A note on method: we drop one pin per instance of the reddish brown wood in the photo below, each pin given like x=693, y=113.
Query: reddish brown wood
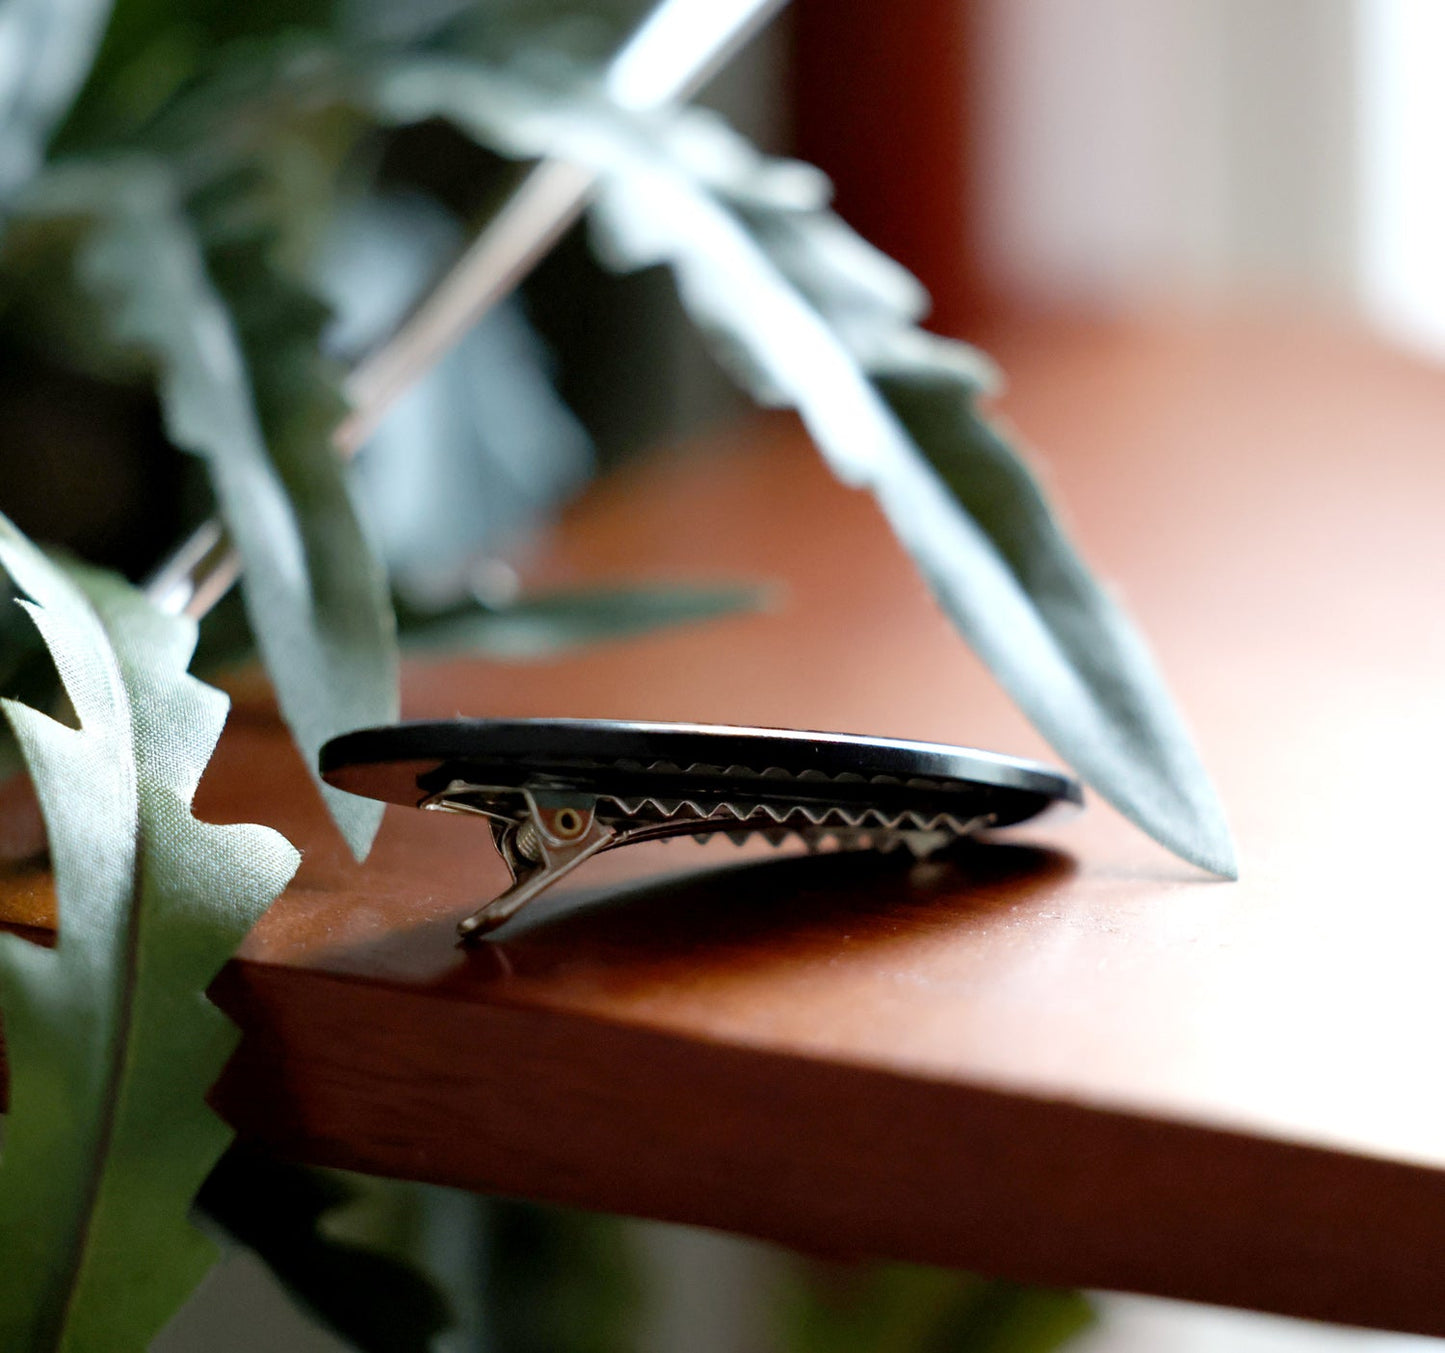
x=882, y=103
x=1071, y=1059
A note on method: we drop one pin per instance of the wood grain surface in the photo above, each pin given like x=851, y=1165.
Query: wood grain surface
x=1064, y=1057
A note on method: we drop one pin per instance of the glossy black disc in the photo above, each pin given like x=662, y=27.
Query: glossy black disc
x=407, y=763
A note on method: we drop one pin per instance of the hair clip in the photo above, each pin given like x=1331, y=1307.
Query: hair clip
x=558, y=791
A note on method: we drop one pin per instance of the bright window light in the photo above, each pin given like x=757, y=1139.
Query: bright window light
x=1402, y=48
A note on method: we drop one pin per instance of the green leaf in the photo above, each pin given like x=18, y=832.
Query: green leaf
x=906, y=1308
x=545, y=624
x=155, y=51
x=376, y=1302
x=559, y=1281
x=808, y=316
x=46, y=47
x=109, y=1036
x=315, y=592
x=532, y=628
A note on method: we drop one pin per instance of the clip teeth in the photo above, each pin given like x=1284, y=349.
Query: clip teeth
x=796, y=817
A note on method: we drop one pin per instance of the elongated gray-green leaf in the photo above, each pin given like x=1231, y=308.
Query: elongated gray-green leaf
x=809, y=317
x=46, y=47
x=110, y=1040
x=315, y=592
x=552, y=622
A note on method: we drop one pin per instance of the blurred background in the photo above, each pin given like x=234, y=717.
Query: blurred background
x=1102, y=158
x=1113, y=155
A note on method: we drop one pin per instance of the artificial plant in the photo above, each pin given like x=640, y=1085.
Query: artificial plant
x=178, y=182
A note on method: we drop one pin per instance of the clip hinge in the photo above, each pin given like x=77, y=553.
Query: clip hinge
x=545, y=839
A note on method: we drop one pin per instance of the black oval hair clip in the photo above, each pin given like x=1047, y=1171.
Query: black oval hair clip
x=558, y=791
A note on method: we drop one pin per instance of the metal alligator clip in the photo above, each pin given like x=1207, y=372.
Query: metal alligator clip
x=558, y=791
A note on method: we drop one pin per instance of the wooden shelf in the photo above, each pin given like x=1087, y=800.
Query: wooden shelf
x=1068, y=1058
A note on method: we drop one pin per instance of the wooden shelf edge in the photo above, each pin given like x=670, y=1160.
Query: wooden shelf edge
x=332, y=1071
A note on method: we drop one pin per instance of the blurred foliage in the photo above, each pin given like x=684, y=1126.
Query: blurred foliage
x=558, y=1281
x=286, y=1215
x=903, y=1308
x=544, y=624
